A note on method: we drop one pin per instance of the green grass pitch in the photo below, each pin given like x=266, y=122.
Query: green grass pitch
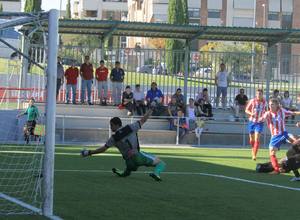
x=85, y=188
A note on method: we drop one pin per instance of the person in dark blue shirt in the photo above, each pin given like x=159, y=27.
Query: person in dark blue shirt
x=117, y=77
x=155, y=95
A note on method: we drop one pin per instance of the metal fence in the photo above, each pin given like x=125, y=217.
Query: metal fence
x=143, y=66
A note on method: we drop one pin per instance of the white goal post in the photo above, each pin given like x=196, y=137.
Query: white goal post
x=8, y=163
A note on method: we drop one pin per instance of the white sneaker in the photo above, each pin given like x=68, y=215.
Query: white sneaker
x=294, y=179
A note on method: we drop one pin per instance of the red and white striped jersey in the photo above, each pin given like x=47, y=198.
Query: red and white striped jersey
x=276, y=121
x=257, y=108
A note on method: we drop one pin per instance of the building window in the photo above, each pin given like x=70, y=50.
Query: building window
x=91, y=13
x=214, y=13
x=244, y=4
x=287, y=20
x=242, y=22
x=110, y=15
x=194, y=12
x=273, y=16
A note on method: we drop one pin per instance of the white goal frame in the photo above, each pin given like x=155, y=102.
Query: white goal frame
x=48, y=163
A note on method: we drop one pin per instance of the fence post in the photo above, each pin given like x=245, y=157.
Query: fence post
x=186, y=69
x=109, y=130
x=63, y=129
x=244, y=133
x=177, y=132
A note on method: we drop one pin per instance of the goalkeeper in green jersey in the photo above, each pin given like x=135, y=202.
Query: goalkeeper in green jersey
x=32, y=115
x=126, y=140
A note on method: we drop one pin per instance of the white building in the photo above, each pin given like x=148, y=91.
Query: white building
x=11, y=5
x=100, y=9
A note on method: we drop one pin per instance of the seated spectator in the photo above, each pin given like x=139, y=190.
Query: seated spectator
x=203, y=101
x=154, y=94
x=240, y=103
x=127, y=100
x=139, y=100
x=276, y=95
x=172, y=111
x=179, y=97
x=181, y=123
x=287, y=103
x=191, y=114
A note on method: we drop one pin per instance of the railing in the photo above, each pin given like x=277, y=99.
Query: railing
x=63, y=118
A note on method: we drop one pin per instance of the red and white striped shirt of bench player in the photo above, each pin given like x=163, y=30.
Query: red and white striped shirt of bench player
x=257, y=108
x=276, y=121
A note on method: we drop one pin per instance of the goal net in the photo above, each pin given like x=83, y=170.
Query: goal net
x=20, y=165
x=26, y=153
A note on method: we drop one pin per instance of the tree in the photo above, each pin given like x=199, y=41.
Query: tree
x=68, y=10
x=1, y=7
x=33, y=6
x=157, y=43
x=177, y=14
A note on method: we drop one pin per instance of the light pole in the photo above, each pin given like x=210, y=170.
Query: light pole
x=264, y=15
x=60, y=3
x=253, y=44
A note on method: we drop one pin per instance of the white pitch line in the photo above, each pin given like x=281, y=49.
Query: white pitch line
x=27, y=206
x=199, y=174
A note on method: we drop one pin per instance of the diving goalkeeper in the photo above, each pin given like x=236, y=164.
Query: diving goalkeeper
x=126, y=140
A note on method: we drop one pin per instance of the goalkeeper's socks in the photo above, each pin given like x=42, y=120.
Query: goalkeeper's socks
x=159, y=168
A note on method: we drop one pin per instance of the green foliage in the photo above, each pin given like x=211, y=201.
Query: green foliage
x=33, y=6
x=236, y=55
x=1, y=7
x=177, y=14
x=68, y=10
x=86, y=45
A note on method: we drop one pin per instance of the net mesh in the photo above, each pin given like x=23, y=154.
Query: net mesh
x=20, y=164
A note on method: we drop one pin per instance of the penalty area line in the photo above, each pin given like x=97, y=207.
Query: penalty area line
x=198, y=174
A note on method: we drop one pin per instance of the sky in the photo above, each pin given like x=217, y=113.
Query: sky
x=49, y=4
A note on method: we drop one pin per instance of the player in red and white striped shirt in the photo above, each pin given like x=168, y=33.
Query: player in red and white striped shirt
x=255, y=109
x=275, y=118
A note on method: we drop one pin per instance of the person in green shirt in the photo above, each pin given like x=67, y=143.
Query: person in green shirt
x=32, y=115
x=126, y=140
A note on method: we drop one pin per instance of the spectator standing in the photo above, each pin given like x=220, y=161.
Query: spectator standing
x=101, y=76
x=179, y=98
x=139, y=100
x=71, y=76
x=154, y=94
x=87, y=75
x=127, y=100
x=117, y=77
x=60, y=76
x=240, y=102
x=222, y=82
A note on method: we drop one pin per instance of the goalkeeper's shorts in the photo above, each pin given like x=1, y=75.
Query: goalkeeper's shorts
x=140, y=159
